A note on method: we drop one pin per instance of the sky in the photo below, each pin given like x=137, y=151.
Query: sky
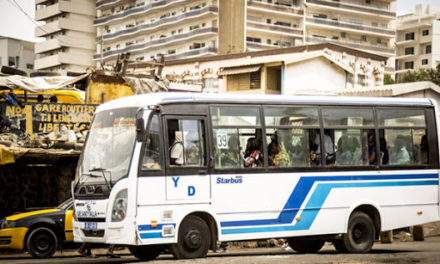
x=14, y=23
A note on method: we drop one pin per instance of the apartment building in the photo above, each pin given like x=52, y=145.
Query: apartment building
x=17, y=53
x=418, y=40
x=182, y=28
x=69, y=35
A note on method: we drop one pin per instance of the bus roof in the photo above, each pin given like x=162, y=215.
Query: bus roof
x=171, y=97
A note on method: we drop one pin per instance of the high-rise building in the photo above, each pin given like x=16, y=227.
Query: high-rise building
x=17, y=53
x=418, y=40
x=69, y=35
x=183, y=28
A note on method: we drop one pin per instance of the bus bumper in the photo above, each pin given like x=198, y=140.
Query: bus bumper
x=13, y=238
x=120, y=233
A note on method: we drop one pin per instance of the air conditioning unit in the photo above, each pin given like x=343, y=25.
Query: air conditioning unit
x=343, y=35
x=364, y=38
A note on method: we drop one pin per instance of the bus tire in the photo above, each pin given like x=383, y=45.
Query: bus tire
x=193, y=239
x=42, y=242
x=145, y=252
x=305, y=245
x=360, y=234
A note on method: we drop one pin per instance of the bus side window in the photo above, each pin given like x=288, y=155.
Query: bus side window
x=186, y=144
x=403, y=136
x=352, y=135
x=151, y=157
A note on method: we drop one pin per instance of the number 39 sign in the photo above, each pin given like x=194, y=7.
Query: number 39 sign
x=222, y=139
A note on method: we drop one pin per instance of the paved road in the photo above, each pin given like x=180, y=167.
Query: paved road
x=398, y=252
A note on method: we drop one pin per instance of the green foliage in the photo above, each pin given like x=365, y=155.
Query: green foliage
x=387, y=79
x=432, y=75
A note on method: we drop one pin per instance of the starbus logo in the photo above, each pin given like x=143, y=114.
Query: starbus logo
x=231, y=180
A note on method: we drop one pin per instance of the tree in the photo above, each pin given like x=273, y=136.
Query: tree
x=432, y=75
x=387, y=79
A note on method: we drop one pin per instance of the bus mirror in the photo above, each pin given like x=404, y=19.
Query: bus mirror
x=139, y=127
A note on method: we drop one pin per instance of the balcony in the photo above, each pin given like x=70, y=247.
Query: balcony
x=353, y=7
x=198, y=33
x=261, y=46
x=162, y=22
x=192, y=53
x=372, y=47
x=47, y=12
x=350, y=26
x=139, y=10
x=275, y=8
x=274, y=29
x=110, y=3
x=63, y=58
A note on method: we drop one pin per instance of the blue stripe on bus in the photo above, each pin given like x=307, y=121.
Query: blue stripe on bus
x=149, y=227
x=303, y=188
x=315, y=203
x=151, y=235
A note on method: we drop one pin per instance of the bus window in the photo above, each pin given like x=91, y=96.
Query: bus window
x=238, y=140
x=292, y=134
x=151, y=157
x=293, y=147
x=352, y=146
x=186, y=143
x=402, y=136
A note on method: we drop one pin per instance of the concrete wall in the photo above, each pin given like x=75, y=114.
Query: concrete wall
x=315, y=74
x=231, y=26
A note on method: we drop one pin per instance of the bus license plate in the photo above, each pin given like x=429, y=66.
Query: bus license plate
x=90, y=226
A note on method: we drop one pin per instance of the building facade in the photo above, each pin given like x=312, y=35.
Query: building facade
x=69, y=35
x=17, y=53
x=286, y=71
x=183, y=29
x=418, y=40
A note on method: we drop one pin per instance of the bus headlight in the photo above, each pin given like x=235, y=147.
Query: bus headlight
x=120, y=206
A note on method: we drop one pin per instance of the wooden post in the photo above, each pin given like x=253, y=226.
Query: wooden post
x=418, y=233
x=386, y=236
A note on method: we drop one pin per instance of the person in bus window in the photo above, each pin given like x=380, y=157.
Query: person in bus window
x=329, y=150
x=176, y=149
x=384, y=154
x=344, y=156
x=402, y=155
x=424, y=150
x=371, y=150
x=255, y=157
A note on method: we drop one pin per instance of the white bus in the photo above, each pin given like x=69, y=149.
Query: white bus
x=184, y=171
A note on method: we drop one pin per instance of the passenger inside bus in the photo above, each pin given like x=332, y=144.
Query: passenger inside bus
x=329, y=150
x=371, y=150
x=175, y=148
x=253, y=156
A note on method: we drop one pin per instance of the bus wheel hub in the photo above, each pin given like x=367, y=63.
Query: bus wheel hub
x=193, y=239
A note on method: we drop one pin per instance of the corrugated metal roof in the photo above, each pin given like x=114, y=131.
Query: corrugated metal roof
x=238, y=70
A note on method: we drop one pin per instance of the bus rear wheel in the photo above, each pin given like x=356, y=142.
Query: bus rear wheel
x=305, y=245
x=193, y=239
x=360, y=234
x=145, y=252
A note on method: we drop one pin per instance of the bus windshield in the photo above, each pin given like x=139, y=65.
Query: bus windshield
x=108, y=150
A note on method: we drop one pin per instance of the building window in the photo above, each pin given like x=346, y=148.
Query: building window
x=11, y=61
x=409, y=36
x=257, y=40
x=428, y=49
x=268, y=21
x=409, y=65
x=409, y=51
x=424, y=61
x=425, y=32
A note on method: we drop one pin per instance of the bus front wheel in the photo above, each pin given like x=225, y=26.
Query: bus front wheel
x=193, y=239
x=360, y=235
x=305, y=245
x=145, y=252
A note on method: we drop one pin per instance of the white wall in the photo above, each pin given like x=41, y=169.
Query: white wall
x=315, y=74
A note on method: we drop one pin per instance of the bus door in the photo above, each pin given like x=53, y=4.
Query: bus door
x=187, y=176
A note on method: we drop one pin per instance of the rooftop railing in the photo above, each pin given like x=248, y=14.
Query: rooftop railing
x=353, y=7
